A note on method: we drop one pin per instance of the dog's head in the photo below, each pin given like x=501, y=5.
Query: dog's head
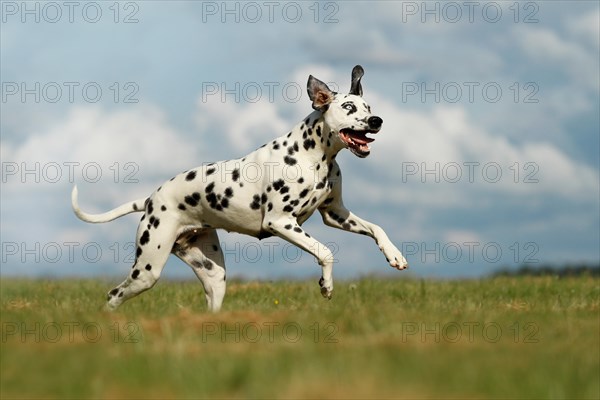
x=348, y=115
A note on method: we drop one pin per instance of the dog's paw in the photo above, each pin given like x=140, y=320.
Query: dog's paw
x=112, y=301
x=395, y=258
x=326, y=290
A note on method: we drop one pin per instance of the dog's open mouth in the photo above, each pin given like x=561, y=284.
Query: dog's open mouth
x=357, y=141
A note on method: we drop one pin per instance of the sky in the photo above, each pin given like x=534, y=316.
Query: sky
x=487, y=159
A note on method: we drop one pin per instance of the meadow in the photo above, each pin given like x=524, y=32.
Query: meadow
x=503, y=337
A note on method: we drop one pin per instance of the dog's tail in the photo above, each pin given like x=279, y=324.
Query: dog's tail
x=124, y=209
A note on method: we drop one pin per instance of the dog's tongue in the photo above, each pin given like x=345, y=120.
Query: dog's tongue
x=360, y=138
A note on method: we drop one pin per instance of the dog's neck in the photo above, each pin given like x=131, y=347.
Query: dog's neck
x=315, y=138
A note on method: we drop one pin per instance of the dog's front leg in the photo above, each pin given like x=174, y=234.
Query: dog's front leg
x=337, y=216
x=292, y=232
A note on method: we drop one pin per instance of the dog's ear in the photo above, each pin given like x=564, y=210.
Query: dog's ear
x=356, y=87
x=319, y=93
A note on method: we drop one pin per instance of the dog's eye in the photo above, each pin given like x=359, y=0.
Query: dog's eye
x=348, y=106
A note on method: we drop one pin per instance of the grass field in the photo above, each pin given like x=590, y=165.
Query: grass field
x=516, y=338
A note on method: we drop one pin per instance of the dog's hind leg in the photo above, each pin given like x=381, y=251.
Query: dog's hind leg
x=154, y=242
x=201, y=250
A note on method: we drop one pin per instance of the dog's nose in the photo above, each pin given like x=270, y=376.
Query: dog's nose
x=374, y=122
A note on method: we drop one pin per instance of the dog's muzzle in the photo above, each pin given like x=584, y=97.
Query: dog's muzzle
x=356, y=139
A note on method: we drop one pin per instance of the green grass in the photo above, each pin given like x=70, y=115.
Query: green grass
x=515, y=338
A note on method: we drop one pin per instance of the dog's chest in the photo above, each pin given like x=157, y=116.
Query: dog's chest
x=313, y=191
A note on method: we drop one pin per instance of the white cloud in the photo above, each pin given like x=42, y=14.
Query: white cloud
x=140, y=140
x=89, y=133
x=586, y=27
x=244, y=126
x=461, y=236
x=546, y=47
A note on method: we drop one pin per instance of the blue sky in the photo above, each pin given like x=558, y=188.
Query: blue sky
x=488, y=156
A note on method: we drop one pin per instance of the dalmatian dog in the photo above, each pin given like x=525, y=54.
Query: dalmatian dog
x=270, y=192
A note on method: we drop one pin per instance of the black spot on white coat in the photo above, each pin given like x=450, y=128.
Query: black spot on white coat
x=190, y=176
